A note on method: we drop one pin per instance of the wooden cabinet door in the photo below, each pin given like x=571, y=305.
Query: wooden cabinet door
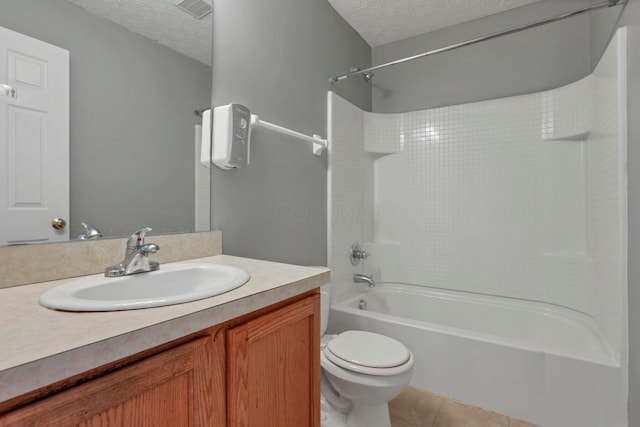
x=273, y=376
x=183, y=386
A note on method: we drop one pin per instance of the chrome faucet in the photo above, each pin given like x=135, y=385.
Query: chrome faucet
x=363, y=278
x=136, y=257
x=356, y=254
x=90, y=232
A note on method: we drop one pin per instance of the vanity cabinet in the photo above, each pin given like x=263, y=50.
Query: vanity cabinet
x=273, y=371
x=183, y=386
x=259, y=370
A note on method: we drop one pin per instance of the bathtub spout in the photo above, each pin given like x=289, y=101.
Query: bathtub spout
x=363, y=278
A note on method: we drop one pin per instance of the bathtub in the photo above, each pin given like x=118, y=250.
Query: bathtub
x=538, y=362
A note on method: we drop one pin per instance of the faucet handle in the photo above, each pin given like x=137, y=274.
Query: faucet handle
x=356, y=254
x=137, y=238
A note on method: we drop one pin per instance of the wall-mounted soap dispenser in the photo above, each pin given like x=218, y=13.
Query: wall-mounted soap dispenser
x=232, y=125
x=231, y=136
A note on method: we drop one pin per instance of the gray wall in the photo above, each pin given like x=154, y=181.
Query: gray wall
x=132, y=121
x=603, y=23
x=530, y=61
x=276, y=57
x=631, y=18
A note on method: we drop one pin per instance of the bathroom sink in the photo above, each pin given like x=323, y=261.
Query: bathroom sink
x=172, y=284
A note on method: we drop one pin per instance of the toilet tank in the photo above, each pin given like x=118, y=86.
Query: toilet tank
x=325, y=305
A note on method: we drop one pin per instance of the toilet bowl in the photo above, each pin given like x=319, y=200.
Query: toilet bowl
x=361, y=373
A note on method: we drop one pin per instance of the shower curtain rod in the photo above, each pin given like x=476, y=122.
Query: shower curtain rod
x=602, y=5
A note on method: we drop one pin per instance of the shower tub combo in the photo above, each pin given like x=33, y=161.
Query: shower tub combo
x=542, y=363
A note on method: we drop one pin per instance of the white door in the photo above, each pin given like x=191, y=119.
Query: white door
x=34, y=139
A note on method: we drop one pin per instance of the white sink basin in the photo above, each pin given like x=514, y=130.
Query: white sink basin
x=172, y=284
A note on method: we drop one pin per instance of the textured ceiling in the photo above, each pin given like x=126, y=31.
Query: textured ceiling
x=384, y=21
x=377, y=21
x=159, y=20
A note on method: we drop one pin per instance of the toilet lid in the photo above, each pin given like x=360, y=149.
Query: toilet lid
x=368, y=349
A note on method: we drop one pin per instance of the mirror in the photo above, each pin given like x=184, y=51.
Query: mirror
x=128, y=170
x=138, y=71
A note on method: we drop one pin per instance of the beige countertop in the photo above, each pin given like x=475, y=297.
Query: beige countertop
x=42, y=346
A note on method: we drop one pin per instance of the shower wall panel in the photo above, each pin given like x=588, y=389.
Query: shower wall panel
x=520, y=197
x=347, y=174
x=606, y=194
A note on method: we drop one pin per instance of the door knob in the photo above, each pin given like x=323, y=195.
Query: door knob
x=8, y=91
x=58, y=223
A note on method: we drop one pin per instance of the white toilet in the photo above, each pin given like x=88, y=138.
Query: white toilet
x=361, y=373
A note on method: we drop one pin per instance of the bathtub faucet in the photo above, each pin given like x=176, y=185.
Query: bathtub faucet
x=363, y=278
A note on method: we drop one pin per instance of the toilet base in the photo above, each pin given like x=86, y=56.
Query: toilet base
x=369, y=415
x=333, y=419
x=359, y=416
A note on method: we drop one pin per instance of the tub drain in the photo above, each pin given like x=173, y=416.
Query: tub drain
x=362, y=305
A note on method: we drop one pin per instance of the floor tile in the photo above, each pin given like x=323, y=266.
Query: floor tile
x=416, y=407
x=456, y=414
x=397, y=422
x=519, y=423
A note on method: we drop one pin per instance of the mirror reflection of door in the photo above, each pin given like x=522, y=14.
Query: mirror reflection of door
x=34, y=140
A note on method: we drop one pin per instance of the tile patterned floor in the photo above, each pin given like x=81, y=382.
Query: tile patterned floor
x=419, y=408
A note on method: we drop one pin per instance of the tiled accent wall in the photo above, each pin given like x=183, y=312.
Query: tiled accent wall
x=461, y=198
x=490, y=197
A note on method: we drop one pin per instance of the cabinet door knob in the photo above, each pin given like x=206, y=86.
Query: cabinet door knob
x=58, y=223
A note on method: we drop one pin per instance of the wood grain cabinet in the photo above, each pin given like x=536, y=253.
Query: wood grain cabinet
x=183, y=386
x=273, y=368
x=259, y=370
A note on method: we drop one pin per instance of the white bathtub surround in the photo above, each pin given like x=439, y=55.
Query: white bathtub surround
x=349, y=168
x=533, y=361
x=522, y=197
x=490, y=197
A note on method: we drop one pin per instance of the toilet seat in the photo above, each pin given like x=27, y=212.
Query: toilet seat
x=368, y=353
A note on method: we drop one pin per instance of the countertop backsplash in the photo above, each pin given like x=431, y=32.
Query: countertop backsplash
x=26, y=264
